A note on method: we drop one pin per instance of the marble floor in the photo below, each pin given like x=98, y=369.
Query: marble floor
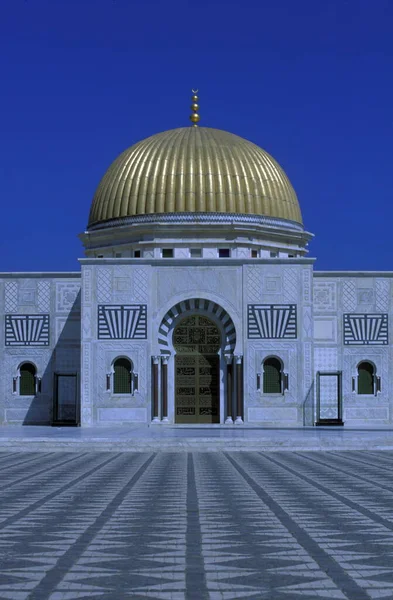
x=196, y=526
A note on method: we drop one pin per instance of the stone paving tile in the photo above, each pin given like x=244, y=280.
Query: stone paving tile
x=196, y=526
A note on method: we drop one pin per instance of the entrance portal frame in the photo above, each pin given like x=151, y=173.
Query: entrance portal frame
x=225, y=324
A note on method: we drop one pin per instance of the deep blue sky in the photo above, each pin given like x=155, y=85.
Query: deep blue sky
x=308, y=80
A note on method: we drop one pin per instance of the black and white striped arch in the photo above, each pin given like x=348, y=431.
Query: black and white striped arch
x=202, y=306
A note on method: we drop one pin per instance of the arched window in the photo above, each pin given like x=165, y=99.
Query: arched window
x=27, y=382
x=122, y=376
x=366, y=378
x=272, y=376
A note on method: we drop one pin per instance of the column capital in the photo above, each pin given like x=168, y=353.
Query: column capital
x=156, y=359
x=228, y=358
x=238, y=359
x=165, y=358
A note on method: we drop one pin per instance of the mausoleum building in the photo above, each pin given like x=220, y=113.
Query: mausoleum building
x=196, y=303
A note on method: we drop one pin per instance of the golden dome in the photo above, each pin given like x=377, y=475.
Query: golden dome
x=194, y=170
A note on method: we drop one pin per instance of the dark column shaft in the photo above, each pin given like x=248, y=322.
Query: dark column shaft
x=155, y=389
x=164, y=389
x=229, y=390
x=239, y=377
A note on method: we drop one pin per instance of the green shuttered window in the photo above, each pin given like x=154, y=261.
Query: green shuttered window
x=365, y=378
x=272, y=376
x=27, y=380
x=122, y=376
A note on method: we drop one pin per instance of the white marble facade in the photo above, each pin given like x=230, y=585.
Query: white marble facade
x=41, y=325
x=323, y=306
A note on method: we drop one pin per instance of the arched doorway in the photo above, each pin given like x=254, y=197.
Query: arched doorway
x=197, y=341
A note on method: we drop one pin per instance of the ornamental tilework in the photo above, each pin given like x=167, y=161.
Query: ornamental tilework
x=87, y=274
x=349, y=296
x=306, y=285
x=382, y=295
x=11, y=296
x=325, y=296
x=66, y=295
x=291, y=281
x=43, y=296
x=27, y=330
x=272, y=321
x=254, y=284
x=307, y=321
x=307, y=362
x=365, y=296
x=122, y=322
x=104, y=285
x=141, y=282
x=325, y=359
x=362, y=329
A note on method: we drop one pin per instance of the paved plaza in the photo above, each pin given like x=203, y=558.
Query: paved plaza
x=196, y=525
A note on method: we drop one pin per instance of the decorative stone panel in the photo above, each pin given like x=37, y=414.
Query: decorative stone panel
x=254, y=283
x=291, y=284
x=382, y=295
x=271, y=321
x=306, y=284
x=325, y=359
x=365, y=296
x=27, y=293
x=27, y=330
x=349, y=296
x=11, y=296
x=224, y=283
x=122, y=322
x=141, y=285
x=325, y=296
x=363, y=329
x=43, y=296
x=104, y=285
x=66, y=295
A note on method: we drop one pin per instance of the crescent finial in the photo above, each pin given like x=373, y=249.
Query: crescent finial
x=194, y=117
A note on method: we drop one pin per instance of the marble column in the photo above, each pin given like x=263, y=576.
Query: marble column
x=239, y=389
x=164, y=388
x=229, y=363
x=154, y=379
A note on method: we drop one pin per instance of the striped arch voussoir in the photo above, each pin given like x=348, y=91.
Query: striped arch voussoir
x=205, y=306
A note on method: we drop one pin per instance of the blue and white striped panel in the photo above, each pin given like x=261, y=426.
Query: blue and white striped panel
x=27, y=330
x=272, y=321
x=122, y=322
x=365, y=329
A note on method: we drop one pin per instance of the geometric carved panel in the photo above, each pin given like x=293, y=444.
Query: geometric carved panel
x=27, y=330
x=122, y=322
x=325, y=295
x=349, y=295
x=366, y=329
x=11, y=296
x=66, y=295
x=272, y=321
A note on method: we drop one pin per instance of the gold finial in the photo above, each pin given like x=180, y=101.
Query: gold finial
x=194, y=117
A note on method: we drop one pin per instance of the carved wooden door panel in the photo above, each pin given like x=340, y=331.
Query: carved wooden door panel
x=197, y=371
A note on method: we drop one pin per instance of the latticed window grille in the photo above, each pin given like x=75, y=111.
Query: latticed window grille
x=27, y=380
x=122, y=376
x=365, y=378
x=272, y=376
